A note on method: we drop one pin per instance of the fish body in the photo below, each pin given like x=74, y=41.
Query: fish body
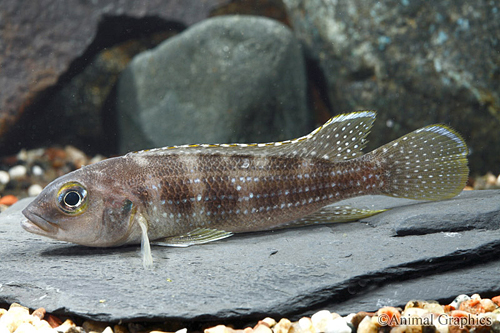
x=193, y=194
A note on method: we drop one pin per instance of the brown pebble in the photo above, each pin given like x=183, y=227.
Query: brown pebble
x=120, y=329
x=39, y=313
x=53, y=320
x=358, y=317
x=473, y=306
x=94, y=326
x=496, y=300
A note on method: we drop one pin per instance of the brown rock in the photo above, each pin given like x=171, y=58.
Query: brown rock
x=40, y=48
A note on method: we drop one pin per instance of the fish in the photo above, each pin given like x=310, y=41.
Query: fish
x=199, y=193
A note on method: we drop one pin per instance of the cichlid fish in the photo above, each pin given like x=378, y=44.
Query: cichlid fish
x=193, y=194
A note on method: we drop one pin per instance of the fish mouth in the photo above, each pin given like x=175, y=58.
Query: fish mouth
x=37, y=224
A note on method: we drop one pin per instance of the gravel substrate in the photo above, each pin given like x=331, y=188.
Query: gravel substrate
x=464, y=314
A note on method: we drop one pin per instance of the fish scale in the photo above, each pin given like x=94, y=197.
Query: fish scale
x=193, y=194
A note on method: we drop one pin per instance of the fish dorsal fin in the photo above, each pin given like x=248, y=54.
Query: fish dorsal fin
x=340, y=138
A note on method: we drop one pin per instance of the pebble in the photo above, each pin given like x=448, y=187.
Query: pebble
x=367, y=326
x=18, y=320
x=389, y=315
x=358, y=317
x=18, y=172
x=34, y=190
x=78, y=157
x=458, y=300
x=94, y=326
x=4, y=177
x=321, y=320
x=8, y=200
x=338, y=325
x=283, y=326
x=37, y=170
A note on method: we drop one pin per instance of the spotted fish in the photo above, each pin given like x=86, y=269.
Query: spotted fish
x=193, y=194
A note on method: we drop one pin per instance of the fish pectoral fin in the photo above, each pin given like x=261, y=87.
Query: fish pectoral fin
x=333, y=214
x=194, y=237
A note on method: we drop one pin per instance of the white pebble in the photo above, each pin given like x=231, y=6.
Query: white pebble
x=16, y=316
x=18, y=171
x=97, y=158
x=367, y=326
x=305, y=324
x=25, y=328
x=458, y=300
x=182, y=330
x=4, y=177
x=34, y=190
x=37, y=170
x=321, y=319
x=338, y=325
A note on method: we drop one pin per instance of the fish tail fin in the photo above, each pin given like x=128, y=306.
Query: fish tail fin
x=427, y=164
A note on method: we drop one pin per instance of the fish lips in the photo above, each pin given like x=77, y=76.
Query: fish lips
x=37, y=224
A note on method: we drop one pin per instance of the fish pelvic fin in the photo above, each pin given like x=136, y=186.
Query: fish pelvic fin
x=427, y=164
x=147, y=258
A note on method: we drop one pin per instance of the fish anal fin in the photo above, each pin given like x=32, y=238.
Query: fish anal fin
x=194, y=237
x=333, y=214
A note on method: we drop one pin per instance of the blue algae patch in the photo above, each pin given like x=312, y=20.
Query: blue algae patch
x=383, y=41
x=405, y=2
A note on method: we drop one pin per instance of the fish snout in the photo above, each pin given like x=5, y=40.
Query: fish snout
x=37, y=224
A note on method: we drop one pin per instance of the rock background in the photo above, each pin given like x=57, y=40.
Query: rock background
x=416, y=62
x=46, y=44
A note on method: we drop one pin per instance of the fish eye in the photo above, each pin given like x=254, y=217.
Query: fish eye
x=72, y=198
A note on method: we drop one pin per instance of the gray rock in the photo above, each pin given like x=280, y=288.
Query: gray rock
x=416, y=62
x=226, y=79
x=345, y=267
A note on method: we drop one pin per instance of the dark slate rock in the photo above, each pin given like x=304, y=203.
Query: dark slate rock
x=43, y=42
x=345, y=267
x=226, y=79
x=416, y=62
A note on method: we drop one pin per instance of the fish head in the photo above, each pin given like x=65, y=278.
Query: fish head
x=81, y=208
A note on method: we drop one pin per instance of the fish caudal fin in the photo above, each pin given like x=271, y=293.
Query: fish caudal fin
x=427, y=164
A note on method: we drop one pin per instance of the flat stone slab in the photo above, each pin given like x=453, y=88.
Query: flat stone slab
x=431, y=250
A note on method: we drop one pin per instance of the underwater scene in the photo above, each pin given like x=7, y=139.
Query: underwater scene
x=277, y=166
